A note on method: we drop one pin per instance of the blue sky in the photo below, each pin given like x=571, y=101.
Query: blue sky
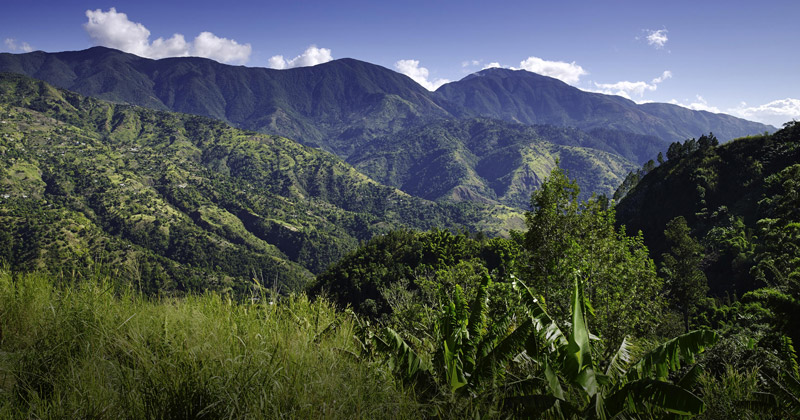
x=731, y=56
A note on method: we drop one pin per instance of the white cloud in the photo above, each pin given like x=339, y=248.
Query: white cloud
x=492, y=65
x=113, y=29
x=628, y=89
x=13, y=46
x=699, y=105
x=471, y=63
x=657, y=38
x=664, y=76
x=775, y=113
x=419, y=74
x=566, y=72
x=221, y=49
x=310, y=57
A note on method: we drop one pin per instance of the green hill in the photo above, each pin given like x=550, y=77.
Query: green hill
x=488, y=161
x=735, y=197
x=184, y=202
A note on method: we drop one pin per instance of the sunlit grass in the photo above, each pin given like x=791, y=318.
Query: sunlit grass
x=93, y=351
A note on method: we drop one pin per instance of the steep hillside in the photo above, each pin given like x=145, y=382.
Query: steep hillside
x=727, y=194
x=488, y=161
x=529, y=98
x=186, y=201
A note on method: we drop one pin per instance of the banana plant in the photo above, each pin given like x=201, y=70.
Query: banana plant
x=625, y=388
x=469, y=354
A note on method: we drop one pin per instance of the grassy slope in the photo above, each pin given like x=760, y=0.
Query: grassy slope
x=81, y=352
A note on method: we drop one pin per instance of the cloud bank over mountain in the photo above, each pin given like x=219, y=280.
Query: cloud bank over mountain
x=310, y=57
x=114, y=30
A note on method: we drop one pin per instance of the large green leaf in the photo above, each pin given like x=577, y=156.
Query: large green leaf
x=578, y=358
x=454, y=369
x=545, y=326
x=663, y=395
x=401, y=356
x=619, y=362
x=552, y=380
x=506, y=349
x=477, y=323
x=667, y=357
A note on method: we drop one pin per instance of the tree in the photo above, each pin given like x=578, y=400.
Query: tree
x=685, y=280
x=566, y=236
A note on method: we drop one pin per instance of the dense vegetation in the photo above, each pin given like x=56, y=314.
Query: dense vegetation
x=736, y=199
x=178, y=202
x=468, y=320
x=564, y=320
x=97, y=349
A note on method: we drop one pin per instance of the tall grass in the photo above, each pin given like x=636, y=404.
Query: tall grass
x=90, y=351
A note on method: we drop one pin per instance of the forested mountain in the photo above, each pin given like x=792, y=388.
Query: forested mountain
x=364, y=112
x=493, y=161
x=530, y=98
x=185, y=202
x=739, y=199
x=336, y=106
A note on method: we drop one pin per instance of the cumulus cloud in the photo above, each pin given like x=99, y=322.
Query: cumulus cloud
x=775, y=113
x=114, y=30
x=310, y=57
x=492, y=65
x=657, y=38
x=419, y=74
x=15, y=46
x=628, y=89
x=566, y=72
x=700, y=104
x=471, y=63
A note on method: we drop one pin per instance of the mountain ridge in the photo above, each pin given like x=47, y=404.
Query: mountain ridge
x=235, y=103
x=530, y=98
x=348, y=107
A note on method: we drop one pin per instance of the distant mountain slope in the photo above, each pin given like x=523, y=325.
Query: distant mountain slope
x=336, y=106
x=488, y=161
x=184, y=200
x=529, y=98
x=352, y=108
x=342, y=104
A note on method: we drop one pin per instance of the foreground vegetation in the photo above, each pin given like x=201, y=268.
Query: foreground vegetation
x=94, y=350
x=565, y=320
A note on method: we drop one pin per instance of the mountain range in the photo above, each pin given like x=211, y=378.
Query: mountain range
x=366, y=114
x=183, y=202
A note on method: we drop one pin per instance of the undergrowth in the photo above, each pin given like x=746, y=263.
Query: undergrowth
x=93, y=350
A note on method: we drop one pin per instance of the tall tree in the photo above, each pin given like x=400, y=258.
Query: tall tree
x=685, y=281
x=566, y=237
